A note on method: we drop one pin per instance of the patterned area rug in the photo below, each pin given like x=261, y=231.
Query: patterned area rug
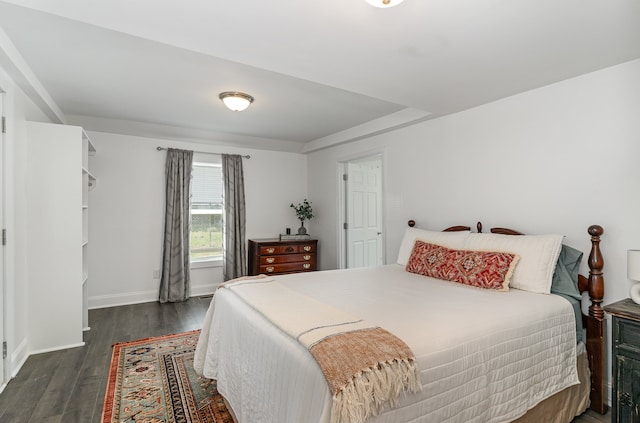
x=152, y=380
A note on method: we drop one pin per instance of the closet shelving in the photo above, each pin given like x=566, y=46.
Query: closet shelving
x=88, y=183
x=58, y=184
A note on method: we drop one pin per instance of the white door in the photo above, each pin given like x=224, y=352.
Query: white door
x=3, y=378
x=364, y=212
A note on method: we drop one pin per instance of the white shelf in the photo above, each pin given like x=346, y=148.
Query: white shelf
x=88, y=183
x=85, y=170
x=91, y=150
x=85, y=303
x=59, y=265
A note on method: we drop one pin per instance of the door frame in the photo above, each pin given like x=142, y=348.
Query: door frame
x=3, y=248
x=342, y=203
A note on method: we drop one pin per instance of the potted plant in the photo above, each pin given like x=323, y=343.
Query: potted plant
x=303, y=212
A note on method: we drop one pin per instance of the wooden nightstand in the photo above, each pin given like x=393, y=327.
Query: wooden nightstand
x=625, y=401
x=272, y=256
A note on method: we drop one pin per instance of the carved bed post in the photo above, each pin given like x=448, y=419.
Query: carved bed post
x=596, y=280
x=595, y=323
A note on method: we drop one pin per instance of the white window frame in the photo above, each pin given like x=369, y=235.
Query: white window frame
x=200, y=159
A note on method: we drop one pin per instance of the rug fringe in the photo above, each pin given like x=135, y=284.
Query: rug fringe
x=144, y=340
x=379, y=388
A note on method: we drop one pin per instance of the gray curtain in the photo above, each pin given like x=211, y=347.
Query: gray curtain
x=235, y=252
x=175, y=281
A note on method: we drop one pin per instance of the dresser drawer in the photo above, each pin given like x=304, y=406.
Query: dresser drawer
x=277, y=249
x=273, y=256
x=628, y=335
x=286, y=249
x=288, y=258
x=288, y=267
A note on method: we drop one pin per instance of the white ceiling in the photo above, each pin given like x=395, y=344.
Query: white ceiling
x=322, y=72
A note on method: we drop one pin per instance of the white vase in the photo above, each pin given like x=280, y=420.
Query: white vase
x=634, y=293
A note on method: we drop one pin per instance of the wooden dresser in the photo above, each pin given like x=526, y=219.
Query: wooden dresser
x=625, y=401
x=273, y=257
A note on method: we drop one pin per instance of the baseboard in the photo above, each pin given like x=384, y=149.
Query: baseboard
x=115, y=300
x=58, y=348
x=202, y=290
x=18, y=358
x=22, y=355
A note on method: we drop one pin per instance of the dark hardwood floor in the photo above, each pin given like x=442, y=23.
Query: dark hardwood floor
x=68, y=386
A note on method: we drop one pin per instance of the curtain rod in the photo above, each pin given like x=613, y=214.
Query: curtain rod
x=204, y=152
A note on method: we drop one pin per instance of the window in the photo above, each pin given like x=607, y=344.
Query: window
x=206, y=210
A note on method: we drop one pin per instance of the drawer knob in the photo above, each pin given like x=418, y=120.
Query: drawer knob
x=270, y=260
x=270, y=269
x=626, y=400
x=271, y=250
x=288, y=249
x=306, y=265
x=307, y=248
x=306, y=257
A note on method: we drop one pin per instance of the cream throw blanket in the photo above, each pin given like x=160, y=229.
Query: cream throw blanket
x=366, y=367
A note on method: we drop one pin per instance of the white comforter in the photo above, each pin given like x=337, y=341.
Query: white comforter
x=483, y=356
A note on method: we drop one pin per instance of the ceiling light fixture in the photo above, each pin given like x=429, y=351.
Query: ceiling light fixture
x=384, y=3
x=235, y=100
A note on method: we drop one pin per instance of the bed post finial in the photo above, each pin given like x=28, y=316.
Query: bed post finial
x=596, y=280
x=479, y=227
x=411, y=223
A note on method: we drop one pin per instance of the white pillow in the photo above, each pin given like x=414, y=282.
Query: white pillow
x=538, y=257
x=454, y=240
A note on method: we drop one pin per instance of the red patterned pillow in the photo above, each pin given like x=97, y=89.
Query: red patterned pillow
x=482, y=269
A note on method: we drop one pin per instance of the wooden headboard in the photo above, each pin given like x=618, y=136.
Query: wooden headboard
x=593, y=322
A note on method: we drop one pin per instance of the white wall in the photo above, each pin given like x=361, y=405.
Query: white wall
x=552, y=160
x=127, y=212
x=17, y=109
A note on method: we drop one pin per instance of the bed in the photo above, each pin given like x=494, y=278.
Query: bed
x=478, y=355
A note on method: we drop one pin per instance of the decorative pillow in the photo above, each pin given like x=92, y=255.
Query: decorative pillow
x=565, y=277
x=482, y=269
x=447, y=239
x=538, y=257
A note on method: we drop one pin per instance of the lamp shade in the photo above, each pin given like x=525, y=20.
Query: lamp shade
x=633, y=265
x=235, y=100
x=384, y=3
